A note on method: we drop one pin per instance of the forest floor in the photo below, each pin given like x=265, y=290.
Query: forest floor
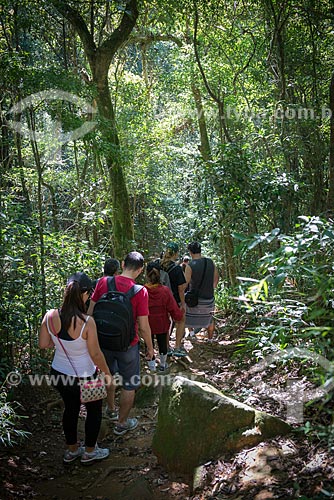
x=284, y=468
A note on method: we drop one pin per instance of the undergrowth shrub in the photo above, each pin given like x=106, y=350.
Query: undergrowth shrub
x=10, y=421
x=291, y=309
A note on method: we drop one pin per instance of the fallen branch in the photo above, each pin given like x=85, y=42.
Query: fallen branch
x=105, y=474
x=178, y=360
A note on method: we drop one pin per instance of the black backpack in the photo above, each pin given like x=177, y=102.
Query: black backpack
x=114, y=317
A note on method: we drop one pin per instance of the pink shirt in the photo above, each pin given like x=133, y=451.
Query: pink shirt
x=123, y=284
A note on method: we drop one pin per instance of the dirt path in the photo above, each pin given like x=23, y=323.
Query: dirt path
x=282, y=468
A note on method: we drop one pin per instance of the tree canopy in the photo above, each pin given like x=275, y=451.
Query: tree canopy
x=129, y=123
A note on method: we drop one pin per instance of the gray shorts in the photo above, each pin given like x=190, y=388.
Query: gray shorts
x=126, y=364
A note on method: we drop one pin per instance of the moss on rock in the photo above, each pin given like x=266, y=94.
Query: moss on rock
x=196, y=423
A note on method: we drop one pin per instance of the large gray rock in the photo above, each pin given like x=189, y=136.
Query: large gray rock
x=197, y=423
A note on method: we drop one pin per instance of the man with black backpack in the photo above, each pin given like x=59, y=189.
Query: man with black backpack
x=118, y=304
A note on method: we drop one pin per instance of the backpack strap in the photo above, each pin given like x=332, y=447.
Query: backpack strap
x=130, y=293
x=170, y=267
x=111, y=284
x=133, y=291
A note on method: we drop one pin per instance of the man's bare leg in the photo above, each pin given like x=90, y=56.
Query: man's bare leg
x=125, y=404
x=180, y=332
x=169, y=333
x=111, y=391
x=211, y=329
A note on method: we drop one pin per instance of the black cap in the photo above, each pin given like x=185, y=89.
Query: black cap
x=153, y=265
x=84, y=281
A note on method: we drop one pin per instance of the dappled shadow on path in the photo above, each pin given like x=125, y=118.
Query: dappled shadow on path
x=284, y=468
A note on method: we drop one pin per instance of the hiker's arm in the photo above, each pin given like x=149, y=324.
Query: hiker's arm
x=91, y=307
x=145, y=332
x=215, y=278
x=181, y=290
x=45, y=341
x=188, y=273
x=173, y=309
x=94, y=350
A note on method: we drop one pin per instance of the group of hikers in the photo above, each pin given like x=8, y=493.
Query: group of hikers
x=85, y=344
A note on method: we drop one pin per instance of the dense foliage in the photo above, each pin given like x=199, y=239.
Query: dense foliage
x=218, y=128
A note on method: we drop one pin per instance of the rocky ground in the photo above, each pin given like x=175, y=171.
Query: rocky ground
x=291, y=467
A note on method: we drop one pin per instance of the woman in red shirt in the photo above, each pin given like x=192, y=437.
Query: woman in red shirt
x=162, y=306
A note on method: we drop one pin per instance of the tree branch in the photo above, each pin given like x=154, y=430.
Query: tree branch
x=150, y=38
x=106, y=51
x=110, y=46
x=79, y=25
x=216, y=98
x=206, y=83
x=249, y=59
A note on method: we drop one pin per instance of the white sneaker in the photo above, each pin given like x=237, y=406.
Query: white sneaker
x=97, y=454
x=129, y=425
x=163, y=363
x=70, y=456
x=152, y=365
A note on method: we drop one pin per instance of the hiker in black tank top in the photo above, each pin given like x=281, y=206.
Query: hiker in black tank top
x=197, y=268
x=202, y=275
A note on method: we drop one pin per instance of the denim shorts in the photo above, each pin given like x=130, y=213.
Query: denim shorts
x=126, y=364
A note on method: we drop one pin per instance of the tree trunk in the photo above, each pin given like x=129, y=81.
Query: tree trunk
x=229, y=252
x=100, y=58
x=122, y=221
x=205, y=150
x=330, y=196
x=80, y=181
x=32, y=127
x=204, y=147
x=54, y=206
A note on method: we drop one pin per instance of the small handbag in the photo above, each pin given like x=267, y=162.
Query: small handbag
x=191, y=297
x=91, y=389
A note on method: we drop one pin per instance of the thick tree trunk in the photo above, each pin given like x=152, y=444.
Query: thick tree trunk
x=122, y=222
x=100, y=58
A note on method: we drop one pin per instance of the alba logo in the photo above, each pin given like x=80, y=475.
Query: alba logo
x=53, y=131
x=295, y=395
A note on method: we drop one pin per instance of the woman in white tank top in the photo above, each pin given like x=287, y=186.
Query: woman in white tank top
x=77, y=334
